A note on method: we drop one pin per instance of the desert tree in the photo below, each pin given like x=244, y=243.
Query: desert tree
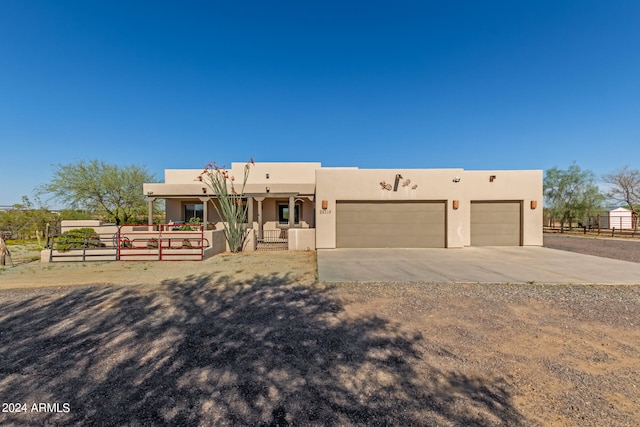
x=232, y=209
x=571, y=193
x=26, y=220
x=115, y=191
x=624, y=187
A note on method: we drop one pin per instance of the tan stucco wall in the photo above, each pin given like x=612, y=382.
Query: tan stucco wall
x=217, y=243
x=283, y=177
x=173, y=210
x=301, y=239
x=508, y=185
x=279, y=172
x=364, y=184
x=335, y=184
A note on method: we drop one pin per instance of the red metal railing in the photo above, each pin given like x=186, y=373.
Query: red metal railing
x=161, y=242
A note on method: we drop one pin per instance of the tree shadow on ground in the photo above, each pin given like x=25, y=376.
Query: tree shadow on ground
x=213, y=351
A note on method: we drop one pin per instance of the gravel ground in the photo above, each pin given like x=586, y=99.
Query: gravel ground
x=623, y=249
x=255, y=340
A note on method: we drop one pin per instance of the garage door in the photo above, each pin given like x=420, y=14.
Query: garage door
x=495, y=223
x=390, y=224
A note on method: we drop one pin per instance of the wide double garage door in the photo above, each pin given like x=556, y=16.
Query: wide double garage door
x=391, y=224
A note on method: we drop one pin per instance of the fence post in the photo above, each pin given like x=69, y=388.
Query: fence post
x=613, y=231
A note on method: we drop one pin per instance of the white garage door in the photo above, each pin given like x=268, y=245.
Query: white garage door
x=496, y=223
x=390, y=224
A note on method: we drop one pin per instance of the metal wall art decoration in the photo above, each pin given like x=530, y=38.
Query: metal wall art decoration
x=385, y=186
x=388, y=187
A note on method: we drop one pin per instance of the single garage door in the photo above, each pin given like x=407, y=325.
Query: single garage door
x=495, y=223
x=390, y=224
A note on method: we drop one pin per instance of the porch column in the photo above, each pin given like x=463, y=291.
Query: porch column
x=150, y=210
x=260, y=224
x=205, y=210
x=292, y=211
x=313, y=217
x=250, y=211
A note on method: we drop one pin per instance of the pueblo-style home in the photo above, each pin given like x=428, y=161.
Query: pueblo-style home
x=307, y=206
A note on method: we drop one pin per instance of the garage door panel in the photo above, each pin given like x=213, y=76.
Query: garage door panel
x=382, y=230
x=390, y=224
x=496, y=229
x=355, y=217
x=388, y=219
x=495, y=223
x=498, y=218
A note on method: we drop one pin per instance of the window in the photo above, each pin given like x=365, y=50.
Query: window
x=283, y=214
x=193, y=211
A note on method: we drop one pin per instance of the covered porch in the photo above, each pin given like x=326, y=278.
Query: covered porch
x=272, y=218
x=279, y=198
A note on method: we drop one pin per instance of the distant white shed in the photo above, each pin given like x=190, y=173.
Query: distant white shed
x=620, y=219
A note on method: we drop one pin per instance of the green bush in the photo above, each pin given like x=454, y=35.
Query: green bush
x=195, y=221
x=78, y=239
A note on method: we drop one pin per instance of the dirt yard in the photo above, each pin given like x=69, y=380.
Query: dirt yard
x=253, y=339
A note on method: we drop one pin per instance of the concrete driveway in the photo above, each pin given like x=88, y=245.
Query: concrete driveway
x=473, y=265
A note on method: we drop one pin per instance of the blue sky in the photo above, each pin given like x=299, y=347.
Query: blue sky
x=374, y=84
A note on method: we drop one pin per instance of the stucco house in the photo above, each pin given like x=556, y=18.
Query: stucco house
x=312, y=206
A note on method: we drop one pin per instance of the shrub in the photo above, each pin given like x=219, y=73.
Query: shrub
x=77, y=239
x=195, y=221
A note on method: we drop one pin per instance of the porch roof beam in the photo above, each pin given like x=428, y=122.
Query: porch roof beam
x=212, y=196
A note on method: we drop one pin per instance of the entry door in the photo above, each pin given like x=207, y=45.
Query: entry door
x=390, y=224
x=496, y=223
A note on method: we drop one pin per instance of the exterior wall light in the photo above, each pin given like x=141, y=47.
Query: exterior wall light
x=267, y=175
x=456, y=179
x=492, y=178
x=534, y=204
x=268, y=189
x=325, y=204
x=456, y=204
